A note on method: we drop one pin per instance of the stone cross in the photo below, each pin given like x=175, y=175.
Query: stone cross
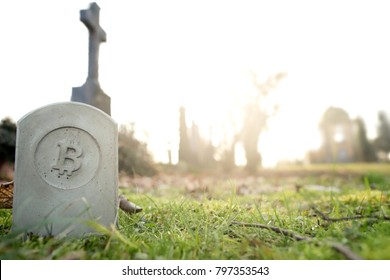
x=97, y=35
x=90, y=92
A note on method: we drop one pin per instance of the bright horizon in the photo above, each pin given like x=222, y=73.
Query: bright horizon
x=160, y=55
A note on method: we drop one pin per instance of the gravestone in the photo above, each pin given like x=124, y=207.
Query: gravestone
x=90, y=92
x=66, y=170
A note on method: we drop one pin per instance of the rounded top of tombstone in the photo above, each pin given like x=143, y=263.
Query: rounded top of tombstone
x=68, y=142
x=65, y=109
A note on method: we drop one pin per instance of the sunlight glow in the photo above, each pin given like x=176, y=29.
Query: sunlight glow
x=168, y=54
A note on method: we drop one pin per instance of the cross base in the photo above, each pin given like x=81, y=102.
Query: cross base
x=91, y=93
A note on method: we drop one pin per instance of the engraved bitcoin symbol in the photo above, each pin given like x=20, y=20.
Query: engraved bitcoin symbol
x=68, y=158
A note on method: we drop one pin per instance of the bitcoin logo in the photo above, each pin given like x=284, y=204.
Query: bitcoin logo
x=68, y=158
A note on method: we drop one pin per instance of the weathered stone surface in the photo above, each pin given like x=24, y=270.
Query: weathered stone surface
x=66, y=170
x=91, y=93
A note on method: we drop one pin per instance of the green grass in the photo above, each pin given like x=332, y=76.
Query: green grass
x=202, y=224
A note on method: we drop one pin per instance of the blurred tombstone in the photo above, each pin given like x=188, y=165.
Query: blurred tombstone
x=338, y=137
x=66, y=170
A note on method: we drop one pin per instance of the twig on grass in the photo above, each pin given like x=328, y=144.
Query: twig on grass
x=327, y=218
x=275, y=229
x=345, y=251
x=357, y=217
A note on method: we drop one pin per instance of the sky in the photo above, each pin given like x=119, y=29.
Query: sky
x=161, y=55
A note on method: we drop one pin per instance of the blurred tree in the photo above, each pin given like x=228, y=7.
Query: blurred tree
x=382, y=142
x=367, y=151
x=194, y=151
x=7, y=144
x=339, y=139
x=133, y=156
x=227, y=160
x=184, y=145
x=257, y=112
x=7, y=140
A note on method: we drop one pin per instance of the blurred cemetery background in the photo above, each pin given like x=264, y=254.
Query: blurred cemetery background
x=218, y=89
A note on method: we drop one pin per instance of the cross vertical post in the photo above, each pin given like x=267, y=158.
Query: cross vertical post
x=97, y=35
